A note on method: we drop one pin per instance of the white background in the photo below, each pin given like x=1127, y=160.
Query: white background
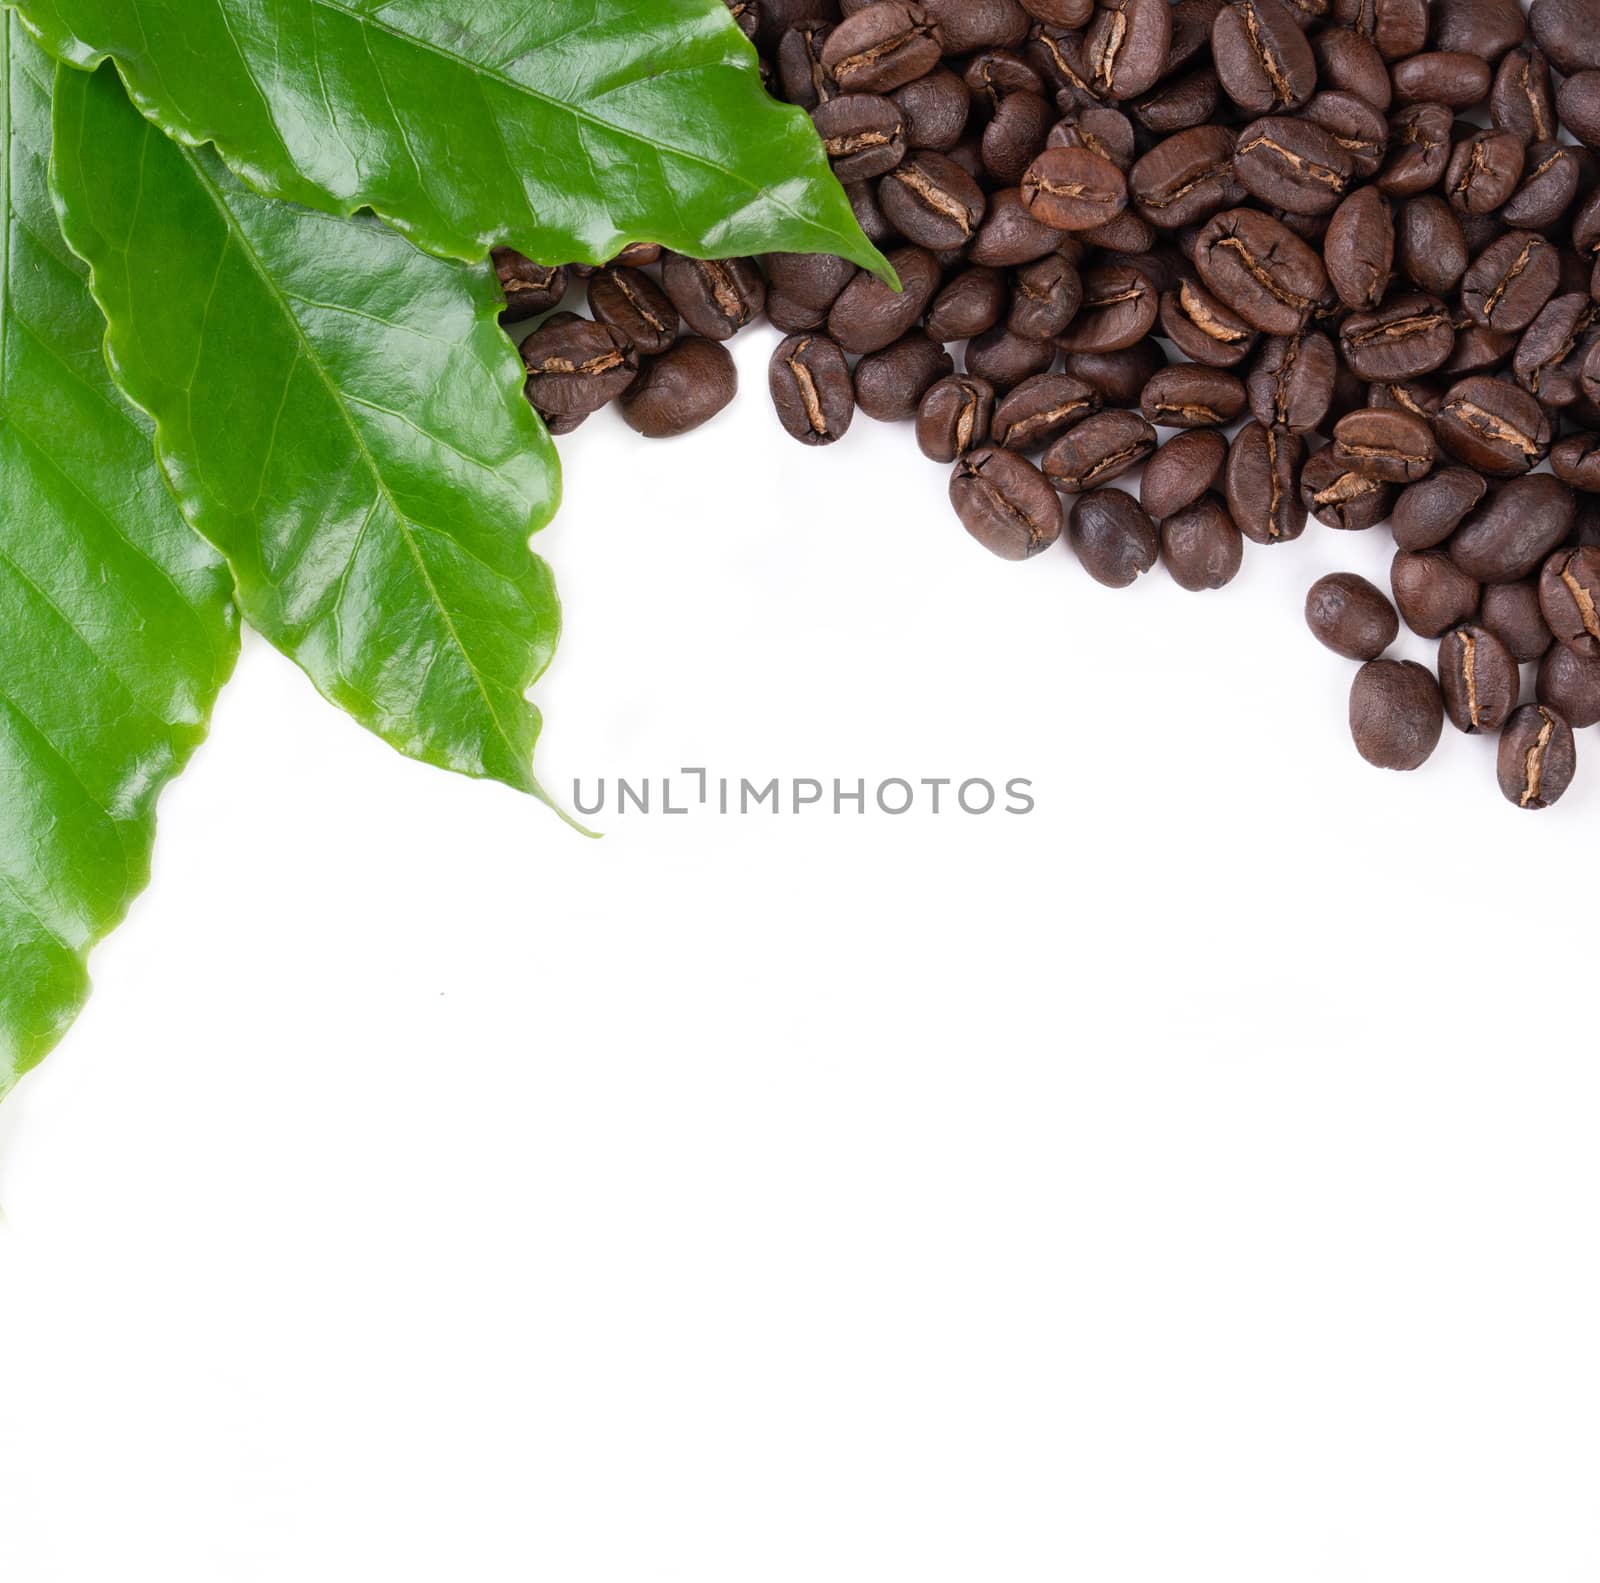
x=1193, y=1179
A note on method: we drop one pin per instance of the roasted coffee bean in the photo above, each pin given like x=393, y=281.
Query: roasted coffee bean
x=1479, y=679
x=1507, y=284
x=530, y=288
x=1446, y=77
x=1538, y=757
x=994, y=74
x=1520, y=99
x=1262, y=57
x=1484, y=170
x=1549, y=358
x=1260, y=268
x=869, y=315
x=1118, y=310
x=812, y=279
x=1359, y=128
x=880, y=47
x=1200, y=545
x=1261, y=478
x=1203, y=328
x=1569, y=598
x=954, y=417
x=793, y=317
x=1186, y=178
x=812, y=389
x=1396, y=714
x=1578, y=105
x=1398, y=27
x=1351, y=616
x=1419, y=149
x=1102, y=447
x=1340, y=497
x=1433, y=251
x=1014, y=136
x=1098, y=128
x=1575, y=458
x=1477, y=350
x=967, y=25
x=686, y=386
x=1005, y=503
x=1181, y=471
x=1192, y=396
x=636, y=305
x=715, y=297
x=1291, y=385
x=862, y=133
x=1292, y=164
x=1006, y=359
x=1420, y=397
x=1511, y=611
x=1493, y=425
x=1040, y=409
x=1348, y=62
x=1073, y=189
x=1119, y=376
x=576, y=366
x=974, y=301
x=1384, y=443
x=1010, y=235
x=1047, y=295
x=1550, y=182
x=1179, y=102
x=1570, y=685
x=1429, y=511
x=802, y=77
x=934, y=110
x=1358, y=250
x=1128, y=233
x=1565, y=31
x=1125, y=46
x=932, y=201
x=1116, y=541
x=1432, y=592
x=1411, y=334
x=1060, y=13
x=1486, y=28
x=890, y=383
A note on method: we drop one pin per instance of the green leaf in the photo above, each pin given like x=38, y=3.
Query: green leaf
x=563, y=128
x=116, y=629
x=342, y=417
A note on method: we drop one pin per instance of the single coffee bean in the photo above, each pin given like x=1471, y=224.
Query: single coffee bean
x=1384, y=443
x=1537, y=757
x=1005, y=503
x=1440, y=77
x=1351, y=616
x=1570, y=685
x=1116, y=541
x=1262, y=57
x=530, y=288
x=932, y=201
x=1103, y=446
x=1098, y=128
x=1192, y=396
x=870, y=315
x=1119, y=376
x=934, y=110
x=1578, y=106
x=1433, y=250
x=1396, y=714
x=1479, y=679
x=1520, y=99
x=686, y=386
x=1575, y=459
x=1118, y=310
x=1398, y=27
x=1550, y=181
x=954, y=417
x=1179, y=102
x=863, y=134
x=863, y=196
x=1348, y=62
x=1010, y=235
x=1358, y=250
x=1181, y=471
x=1340, y=497
x=1419, y=150
x=1485, y=28
x=1493, y=426
x=974, y=301
x=1201, y=546
x=636, y=305
x=1291, y=385
x=1429, y=511
x=1260, y=268
x=1006, y=359
x=1565, y=31
x=814, y=279
x=802, y=77
x=1569, y=598
x=811, y=387
x=1411, y=334
x=1203, y=328
x=1357, y=126
x=715, y=297
x=1186, y=178
x=1073, y=189
x=1420, y=397
x=1047, y=295
x=1507, y=284
x=1261, y=480
x=576, y=366
x=1511, y=611
x=1549, y=358
x=1511, y=534
x=1014, y=136
x=1432, y=592
x=890, y=383
x=1040, y=409
x=1478, y=350
x=880, y=47
x=1060, y=13
x=791, y=317
x=1292, y=164
x=1125, y=46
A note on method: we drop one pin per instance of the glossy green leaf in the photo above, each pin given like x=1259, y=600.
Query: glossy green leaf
x=116, y=628
x=342, y=417
x=565, y=128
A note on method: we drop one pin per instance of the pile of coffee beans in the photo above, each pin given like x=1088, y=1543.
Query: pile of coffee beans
x=1345, y=253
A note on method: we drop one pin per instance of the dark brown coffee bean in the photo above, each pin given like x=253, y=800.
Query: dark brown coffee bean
x=715, y=297
x=1440, y=77
x=1384, y=443
x=1119, y=376
x=1015, y=135
x=869, y=315
x=1351, y=616
x=1398, y=27
x=1507, y=284
x=1260, y=268
x=954, y=417
x=1348, y=62
x=1262, y=57
x=1006, y=359
x=1570, y=685
x=1537, y=757
x=890, y=383
x=1118, y=310
x=1005, y=503
x=1478, y=350
x=1422, y=398
x=1569, y=598
x=1072, y=189
x=1192, y=396
x=934, y=110
x=1419, y=149
x=1520, y=99
x=1565, y=31
x=967, y=25
x=812, y=389
x=1102, y=447
x=880, y=48
x=1486, y=28
x=1186, y=178
x=1549, y=358
x=1292, y=164
x=577, y=365
x=1046, y=296
x=863, y=134
x=992, y=75
x=686, y=386
x=802, y=77
x=974, y=301
x=1429, y=511
x=1291, y=385
x=1411, y=334
x=1115, y=540
x=530, y=288
x=1181, y=471
x=1550, y=182
x=1125, y=46
x=931, y=201
x=1010, y=235
x=1432, y=592
x=1511, y=611
x=1129, y=233
x=1179, y=102
x=1575, y=459
x=1202, y=327
x=1200, y=545
x=1478, y=678
x=1040, y=409
x=1484, y=170
x=1358, y=250
x=1433, y=252
x=636, y=305
x=1261, y=479
x=1060, y=13
x=1578, y=106
x=1396, y=714
x=1493, y=425
x=812, y=279
x=1340, y=497
x=791, y=317
x=1361, y=130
